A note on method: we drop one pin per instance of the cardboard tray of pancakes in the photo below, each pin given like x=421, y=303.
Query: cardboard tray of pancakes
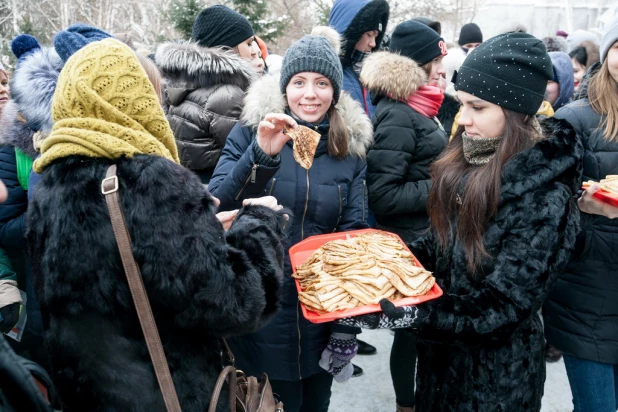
x=609, y=189
x=346, y=274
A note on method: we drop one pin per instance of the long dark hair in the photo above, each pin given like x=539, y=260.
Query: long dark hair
x=481, y=192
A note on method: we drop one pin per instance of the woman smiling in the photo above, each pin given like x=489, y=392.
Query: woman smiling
x=330, y=196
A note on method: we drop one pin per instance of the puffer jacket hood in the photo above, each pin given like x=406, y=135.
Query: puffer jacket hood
x=204, y=89
x=29, y=111
x=352, y=17
x=265, y=97
x=188, y=65
x=391, y=74
x=563, y=68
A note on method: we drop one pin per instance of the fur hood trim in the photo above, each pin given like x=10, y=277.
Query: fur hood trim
x=386, y=73
x=265, y=97
x=555, y=158
x=15, y=132
x=187, y=63
x=33, y=86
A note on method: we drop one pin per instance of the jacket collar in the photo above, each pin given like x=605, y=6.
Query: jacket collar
x=555, y=158
x=264, y=96
x=386, y=73
x=191, y=66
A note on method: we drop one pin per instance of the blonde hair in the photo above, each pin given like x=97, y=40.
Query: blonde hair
x=603, y=96
x=154, y=75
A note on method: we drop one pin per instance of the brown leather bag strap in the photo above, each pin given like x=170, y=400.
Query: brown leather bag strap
x=214, y=399
x=109, y=187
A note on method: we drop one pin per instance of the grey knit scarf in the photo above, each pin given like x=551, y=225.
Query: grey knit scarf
x=479, y=151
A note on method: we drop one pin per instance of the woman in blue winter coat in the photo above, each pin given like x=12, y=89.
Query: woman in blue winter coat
x=330, y=196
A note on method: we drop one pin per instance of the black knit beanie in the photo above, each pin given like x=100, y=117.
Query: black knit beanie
x=470, y=33
x=221, y=26
x=417, y=41
x=312, y=54
x=510, y=70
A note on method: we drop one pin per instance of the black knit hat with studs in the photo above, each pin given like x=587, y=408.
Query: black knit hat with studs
x=510, y=70
x=221, y=26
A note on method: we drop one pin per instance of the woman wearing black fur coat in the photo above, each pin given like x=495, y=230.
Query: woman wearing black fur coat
x=404, y=86
x=203, y=283
x=503, y=224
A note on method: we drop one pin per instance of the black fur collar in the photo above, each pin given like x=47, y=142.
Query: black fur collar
x=557, y=157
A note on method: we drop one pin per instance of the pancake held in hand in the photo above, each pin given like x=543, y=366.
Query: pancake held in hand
x=305, y=144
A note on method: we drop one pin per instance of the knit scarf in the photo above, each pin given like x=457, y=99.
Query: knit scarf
x=105, y=106
x=426, y=100
x=479, y=151
x=357, y=60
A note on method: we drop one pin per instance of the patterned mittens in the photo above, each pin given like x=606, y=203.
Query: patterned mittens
x=391, y=317
x=336, y=358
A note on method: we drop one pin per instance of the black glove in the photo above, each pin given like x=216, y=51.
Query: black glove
x=391, y=317
x=10, y=316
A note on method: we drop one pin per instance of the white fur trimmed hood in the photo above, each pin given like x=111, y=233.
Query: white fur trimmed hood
x=265, y=97
x=386, y=73
x=187, y=63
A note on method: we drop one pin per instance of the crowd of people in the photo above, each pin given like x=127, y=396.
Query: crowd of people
x=474, y=153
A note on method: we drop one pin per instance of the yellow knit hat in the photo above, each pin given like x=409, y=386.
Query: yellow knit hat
x=105, y=106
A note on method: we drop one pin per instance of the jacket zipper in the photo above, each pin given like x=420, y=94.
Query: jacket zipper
x=302, y=236
x=272, y=187
x=250, y=178
x=300, y=376
x=340, y=209
x=302, y=225
x=364, y=194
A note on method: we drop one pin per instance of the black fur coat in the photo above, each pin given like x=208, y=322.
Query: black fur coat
x=481, y=344
x=202, y=283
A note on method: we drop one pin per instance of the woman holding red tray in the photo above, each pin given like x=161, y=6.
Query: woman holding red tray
x=581, y=311
x=299, y=356
x=503, y=222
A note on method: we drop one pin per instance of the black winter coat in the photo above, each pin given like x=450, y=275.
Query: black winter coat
x=480, y=345
x=406, y=143
x=202, y=283
x=329, y=197
x=581, y=312
x=204, y=95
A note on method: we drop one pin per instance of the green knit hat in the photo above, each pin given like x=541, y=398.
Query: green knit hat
x=510, y=70
x=312, y=54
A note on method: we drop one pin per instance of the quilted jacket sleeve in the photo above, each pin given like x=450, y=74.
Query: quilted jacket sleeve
x=238, y=175
x=387, y=164
x=13, y=210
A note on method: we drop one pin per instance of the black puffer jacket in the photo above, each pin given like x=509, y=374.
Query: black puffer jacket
x=204, y=97
x=581, y=312
x=406, y=142
x=202, y=283
x=480, y=345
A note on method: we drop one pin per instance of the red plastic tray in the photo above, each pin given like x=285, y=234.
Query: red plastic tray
x=300, y=252
x=605, y=197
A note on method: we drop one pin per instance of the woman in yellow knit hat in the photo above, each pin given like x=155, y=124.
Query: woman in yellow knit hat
x=203, y=283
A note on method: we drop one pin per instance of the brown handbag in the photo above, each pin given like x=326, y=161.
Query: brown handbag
x=251, y=395
x=246, y=393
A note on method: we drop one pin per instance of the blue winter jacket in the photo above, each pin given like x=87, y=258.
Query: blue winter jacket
x=329, y=197
x=359, y=14
x=563, y=69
